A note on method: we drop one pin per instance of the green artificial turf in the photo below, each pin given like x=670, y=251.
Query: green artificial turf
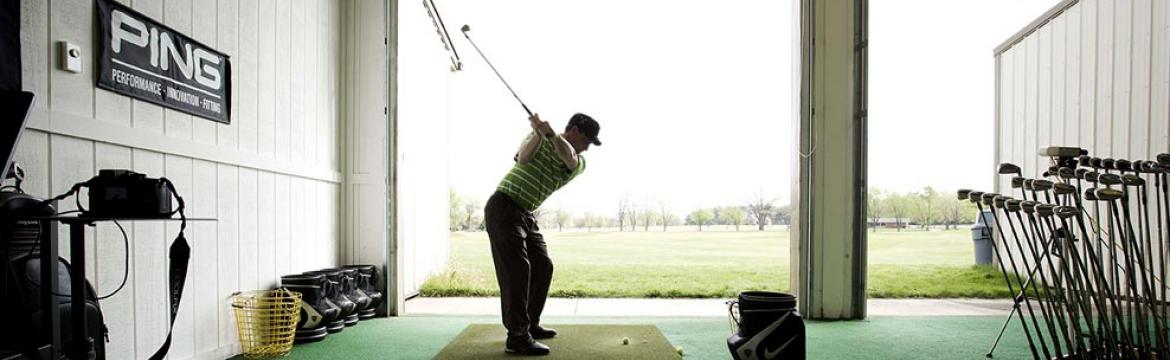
x=944, y=337
x=577, y=341
x=719, y=264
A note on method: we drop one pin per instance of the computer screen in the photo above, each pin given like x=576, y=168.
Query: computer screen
x=15, y=107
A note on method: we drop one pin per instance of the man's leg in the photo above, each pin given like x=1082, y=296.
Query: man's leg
x=542, y=270
x=512, y=269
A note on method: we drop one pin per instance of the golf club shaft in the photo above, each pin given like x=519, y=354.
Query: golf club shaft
x=493, y=67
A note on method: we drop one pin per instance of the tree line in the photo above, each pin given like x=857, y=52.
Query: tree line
x=923, y=209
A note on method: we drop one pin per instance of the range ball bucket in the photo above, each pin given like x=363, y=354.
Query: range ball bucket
x=769, y=326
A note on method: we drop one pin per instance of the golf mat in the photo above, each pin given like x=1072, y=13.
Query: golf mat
x=486, y=341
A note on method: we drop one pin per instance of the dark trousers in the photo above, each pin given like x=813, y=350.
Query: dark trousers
x=523, y=268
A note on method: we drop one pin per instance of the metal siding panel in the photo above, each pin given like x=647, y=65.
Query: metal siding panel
x=111, y=262
x=1031, y=107
x=1073, y=123
x=1019, y=103
x=36, y=49
x=69, y=20
x=205, y=292
x=228, y=136
x=283, y=79
x=1088, y=76
x=282, y=200
x=249, y=243
x=149, y=259
x=1006, y=112
x=266, y=101
x=71, y=162
x=297, y=81
x=1044, y=116
x=312, y=88
x=1123, y=70
x=1104, y=73
x=228, y=261
x=1059, y=120
x=1160, y=79
x=265, y=208
x=1139, y=100
x=246, y=87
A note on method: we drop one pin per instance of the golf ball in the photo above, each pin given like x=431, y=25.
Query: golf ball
x=625, y=341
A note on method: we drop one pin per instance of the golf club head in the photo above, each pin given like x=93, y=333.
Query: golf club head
x=1123, y=165
x=988, y=198
x=465, y=28
x=1062, y=151
x=1045, y=210
x=1109, y=194
x=1095, y=163
x=1150, y=167
x=1067, y=173
x=1063, y=189
x=1085, y=160
x=1132, y=180
x=1109, y=179
x=1012, y=205
x=1017, y=182
x=1000, y=201
x=1091, y=194
x=1164, y=160
x=964, y=194
x=1009, y=168
x=976, y=197
x=1029, y=206
x=1065, y=212
x=1041, y=185
x=1081, y=173
x=1109, y=164
x=1090, y=176
x=1027, y=185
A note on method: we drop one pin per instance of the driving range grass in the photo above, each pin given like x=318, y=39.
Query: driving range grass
x=718, y=263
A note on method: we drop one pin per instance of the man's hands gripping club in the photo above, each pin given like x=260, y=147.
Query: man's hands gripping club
x=563, y=149
x=541, y=127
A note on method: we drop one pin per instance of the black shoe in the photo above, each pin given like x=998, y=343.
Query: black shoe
x=525, y=346
x=540, y=333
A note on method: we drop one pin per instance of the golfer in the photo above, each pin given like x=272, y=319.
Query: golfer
x=545, y=162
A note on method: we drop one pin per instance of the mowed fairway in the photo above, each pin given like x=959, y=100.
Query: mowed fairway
x=719, y=262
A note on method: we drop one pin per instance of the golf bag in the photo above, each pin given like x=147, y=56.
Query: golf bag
x=367, y=278
x=335, y=294
x=317, y=312
x=24, y=332
x=769, y=327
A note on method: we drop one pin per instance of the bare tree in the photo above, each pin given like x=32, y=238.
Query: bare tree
x=562, y=217
x=761, y=207
x=663, y=215
x=623, y=207
x=876, y=207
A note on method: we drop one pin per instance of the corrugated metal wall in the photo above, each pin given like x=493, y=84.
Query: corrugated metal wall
x=272, y=177
x=1091, y=73
x=1095, y=75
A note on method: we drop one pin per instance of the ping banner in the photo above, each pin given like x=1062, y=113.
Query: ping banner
x=143, y=59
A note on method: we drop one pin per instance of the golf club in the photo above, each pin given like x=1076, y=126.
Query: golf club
x=467, y=28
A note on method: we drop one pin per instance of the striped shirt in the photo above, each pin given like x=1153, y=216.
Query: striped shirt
x=530, y=184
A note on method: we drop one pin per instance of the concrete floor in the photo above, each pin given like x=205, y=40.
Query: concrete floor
x=696, y=307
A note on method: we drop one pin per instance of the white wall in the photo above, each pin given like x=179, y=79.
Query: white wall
x=1095, y=75
x=424, y=83
x=271, y=178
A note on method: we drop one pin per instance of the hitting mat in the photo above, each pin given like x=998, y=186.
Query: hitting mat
x=486, y=341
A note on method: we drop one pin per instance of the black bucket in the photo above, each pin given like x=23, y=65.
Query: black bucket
x=769, y=325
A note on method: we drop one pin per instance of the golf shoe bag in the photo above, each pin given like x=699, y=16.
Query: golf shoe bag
x=317, y=312
x=367, y=278
x=769, y=327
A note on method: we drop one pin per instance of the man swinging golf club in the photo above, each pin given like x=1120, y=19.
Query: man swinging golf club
x=545, y=162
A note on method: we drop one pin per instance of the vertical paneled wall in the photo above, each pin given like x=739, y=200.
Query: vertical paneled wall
x=1093, y=74
x=271, y=178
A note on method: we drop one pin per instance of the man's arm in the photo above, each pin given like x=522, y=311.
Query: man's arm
x=528, y=148
x=563, y=149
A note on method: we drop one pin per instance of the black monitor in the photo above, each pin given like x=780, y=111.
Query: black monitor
x=15, y=106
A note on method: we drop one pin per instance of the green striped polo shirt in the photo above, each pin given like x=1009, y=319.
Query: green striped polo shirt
x=529, y=184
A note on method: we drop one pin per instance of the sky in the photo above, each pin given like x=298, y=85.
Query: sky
x=695, y=98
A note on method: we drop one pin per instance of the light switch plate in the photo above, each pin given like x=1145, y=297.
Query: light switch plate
x=70, y=57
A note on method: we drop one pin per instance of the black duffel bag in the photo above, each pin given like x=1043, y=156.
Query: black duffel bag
x=21, y=303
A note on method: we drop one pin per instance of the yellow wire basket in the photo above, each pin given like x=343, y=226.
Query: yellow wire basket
x=267, y=321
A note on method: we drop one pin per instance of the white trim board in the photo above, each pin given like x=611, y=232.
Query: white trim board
x=66, y=124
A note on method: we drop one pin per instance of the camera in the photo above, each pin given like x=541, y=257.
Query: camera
x=127, y=194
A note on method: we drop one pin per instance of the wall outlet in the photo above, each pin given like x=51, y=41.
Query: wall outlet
x=70, y=56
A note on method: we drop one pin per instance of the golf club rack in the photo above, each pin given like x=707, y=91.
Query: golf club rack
x=1083, y=250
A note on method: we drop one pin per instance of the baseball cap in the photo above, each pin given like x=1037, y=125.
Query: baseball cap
x=587, y=126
